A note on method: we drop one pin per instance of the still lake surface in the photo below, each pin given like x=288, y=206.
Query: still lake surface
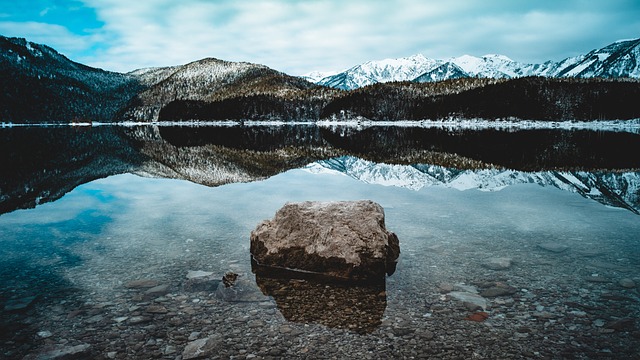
x=101, y=227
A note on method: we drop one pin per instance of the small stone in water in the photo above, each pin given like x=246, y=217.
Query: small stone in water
x=553, y=247
x=44, y=334
x=501, y=263
x=142, y=283
x=198, y=274
x=478, y=316
x=627, y=283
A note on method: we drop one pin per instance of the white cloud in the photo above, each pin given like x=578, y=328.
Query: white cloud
x=56, y=36
x=301, y=36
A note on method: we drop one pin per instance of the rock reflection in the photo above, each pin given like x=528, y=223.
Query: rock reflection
x=355, y=307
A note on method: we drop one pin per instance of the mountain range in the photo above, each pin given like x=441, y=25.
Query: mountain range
x=619, y=59
x=38, y=84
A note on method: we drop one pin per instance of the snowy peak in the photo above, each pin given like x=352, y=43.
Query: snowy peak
x=619, y=59
x=443, y=72
x=491, y=66
x=386, y=70
x=316, y=76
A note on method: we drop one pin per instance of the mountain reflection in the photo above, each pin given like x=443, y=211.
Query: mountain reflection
x=42, y=164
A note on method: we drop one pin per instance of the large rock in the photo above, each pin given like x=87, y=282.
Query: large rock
x=344, y=239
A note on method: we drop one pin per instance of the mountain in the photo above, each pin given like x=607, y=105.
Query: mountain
x=443, y=72
x=316, y=76
x=613, y=189
x=387, y=70
x=206, y=80
x=618, y=60
x=39, y=84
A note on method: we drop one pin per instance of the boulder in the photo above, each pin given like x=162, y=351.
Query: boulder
x=343, y=239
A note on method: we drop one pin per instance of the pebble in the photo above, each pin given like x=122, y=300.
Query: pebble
x=627, y=283
x=496, y=291
x=44, y=334
x=445, y=288
x=156, y=309
x=553, y=247
x=469, y=298
x=195, y=274
x=19, y=304
x=158, y=290
x=497, y=263
x=142, y=283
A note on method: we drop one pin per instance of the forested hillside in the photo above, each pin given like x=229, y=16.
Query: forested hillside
x=522, y=98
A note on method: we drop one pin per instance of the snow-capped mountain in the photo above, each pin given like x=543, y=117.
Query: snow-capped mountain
x=620, y=59
x=316, y=76
x=386, y=70
x=445, y=71
x=613, y=189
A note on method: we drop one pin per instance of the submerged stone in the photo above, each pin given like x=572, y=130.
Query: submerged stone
x=498, y=263
x=627, y=283
x=470, y=299
x=553, y=247
x=198, y=274
x=343, y=239
x=82, y=351
x=142, y=284
x=19, y=304
x=202, y=348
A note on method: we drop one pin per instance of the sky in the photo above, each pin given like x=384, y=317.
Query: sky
x=298, y=37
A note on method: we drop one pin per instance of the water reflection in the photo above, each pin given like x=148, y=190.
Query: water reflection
x=42, y=164
x=355, y=307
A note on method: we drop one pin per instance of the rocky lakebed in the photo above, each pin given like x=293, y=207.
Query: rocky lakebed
x=491, y=292
x=550, y=302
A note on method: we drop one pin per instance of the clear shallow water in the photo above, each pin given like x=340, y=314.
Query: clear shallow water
x=572, y=253
x=89, y=244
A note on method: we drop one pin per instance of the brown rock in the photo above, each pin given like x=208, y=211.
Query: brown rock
x=479, y=316
x=345, y=239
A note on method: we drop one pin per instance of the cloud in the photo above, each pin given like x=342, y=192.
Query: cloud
x=301, y=36
x=56, y=36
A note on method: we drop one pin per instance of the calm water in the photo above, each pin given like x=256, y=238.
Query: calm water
x=88, y=212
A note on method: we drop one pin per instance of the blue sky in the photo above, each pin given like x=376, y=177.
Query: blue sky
x=301, y=36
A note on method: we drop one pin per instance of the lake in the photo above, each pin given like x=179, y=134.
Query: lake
x=515, y=242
